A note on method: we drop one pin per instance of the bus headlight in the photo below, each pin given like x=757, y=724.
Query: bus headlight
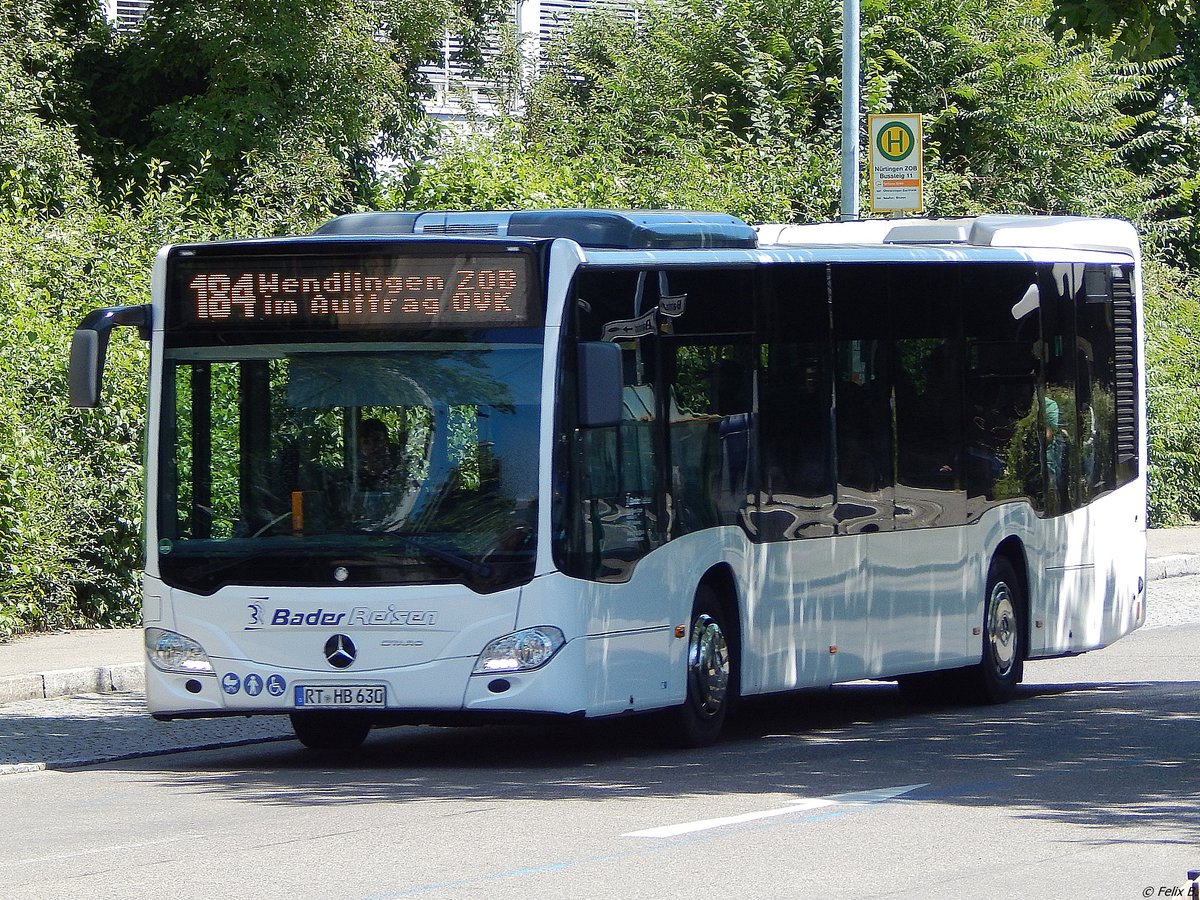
x=520, y=651
x=171, y=652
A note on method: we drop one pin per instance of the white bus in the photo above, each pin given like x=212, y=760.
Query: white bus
x=466, y=467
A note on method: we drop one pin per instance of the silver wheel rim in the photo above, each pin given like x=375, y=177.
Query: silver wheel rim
x=708, y=665
x=1002, y=629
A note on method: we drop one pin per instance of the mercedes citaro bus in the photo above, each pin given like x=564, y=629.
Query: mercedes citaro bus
x=462, y=467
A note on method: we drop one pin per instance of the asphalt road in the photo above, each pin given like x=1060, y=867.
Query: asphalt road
x=1085, y=786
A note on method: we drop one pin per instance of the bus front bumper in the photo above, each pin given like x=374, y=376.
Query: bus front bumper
x=441, y=690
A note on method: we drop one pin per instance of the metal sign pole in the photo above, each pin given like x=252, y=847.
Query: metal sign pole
x=850, y=92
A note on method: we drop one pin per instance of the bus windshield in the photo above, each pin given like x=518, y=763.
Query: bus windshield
x=362, y=463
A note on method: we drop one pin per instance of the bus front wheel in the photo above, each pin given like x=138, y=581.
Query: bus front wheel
x=330, y=730
x=710, y=682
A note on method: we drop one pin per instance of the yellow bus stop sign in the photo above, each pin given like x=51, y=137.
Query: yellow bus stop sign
x=896, y=162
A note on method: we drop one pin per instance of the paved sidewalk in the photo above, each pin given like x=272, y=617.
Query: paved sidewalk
x=41, y=666
x=1172, y=552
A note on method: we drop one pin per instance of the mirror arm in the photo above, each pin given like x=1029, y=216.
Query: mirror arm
x=89, y=346
x=105, y=320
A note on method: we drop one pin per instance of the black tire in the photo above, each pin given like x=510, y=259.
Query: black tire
x=330, y=730
x=711, y=675
x=1002, y=666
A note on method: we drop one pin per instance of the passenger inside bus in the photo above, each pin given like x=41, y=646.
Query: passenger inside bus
x=381, y=464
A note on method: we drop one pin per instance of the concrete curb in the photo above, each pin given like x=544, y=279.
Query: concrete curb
x=1172, y=566
x=79, y=762
x=67, y=682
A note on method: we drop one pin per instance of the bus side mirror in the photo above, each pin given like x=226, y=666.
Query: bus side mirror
x=600, y=384
x=89, y=346
x=87, y=367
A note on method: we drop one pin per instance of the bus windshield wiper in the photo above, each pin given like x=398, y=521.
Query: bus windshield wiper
x=478, y=569
x=220, y=565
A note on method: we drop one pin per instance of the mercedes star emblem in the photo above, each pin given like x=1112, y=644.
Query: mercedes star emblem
x=339, y=651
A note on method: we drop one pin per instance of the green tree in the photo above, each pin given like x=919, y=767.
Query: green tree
x=1016, y=121
x=737, y=105
x=319, y=87
x=1165, y=37
x=1173, y=393
x=71, y=481
x=41, y=168
x=216, y=120
x=695, y=104
x=1139, y=28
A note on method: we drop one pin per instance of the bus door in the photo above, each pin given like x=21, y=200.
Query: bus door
x=618, y=512
x=921, y=591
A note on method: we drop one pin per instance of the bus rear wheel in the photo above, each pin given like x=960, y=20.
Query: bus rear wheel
x=711, y=685
x=330, y=730
x=1002, y=667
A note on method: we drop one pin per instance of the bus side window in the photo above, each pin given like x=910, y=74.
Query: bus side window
x=1095, y=382
x=1060, y=419
x=711, y=434
x=795, y=401
x=931, y=458
x=862, y=322
x=1002, y=336
x=708, y=365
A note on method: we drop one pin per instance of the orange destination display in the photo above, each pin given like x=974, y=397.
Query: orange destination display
x=262, y=291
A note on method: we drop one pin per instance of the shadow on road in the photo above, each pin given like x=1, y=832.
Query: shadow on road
x=1100, y=755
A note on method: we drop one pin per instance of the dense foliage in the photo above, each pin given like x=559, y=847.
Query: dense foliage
x=1140, y=28
x=735, y=105
x=223, y=119
x=1173, y=393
